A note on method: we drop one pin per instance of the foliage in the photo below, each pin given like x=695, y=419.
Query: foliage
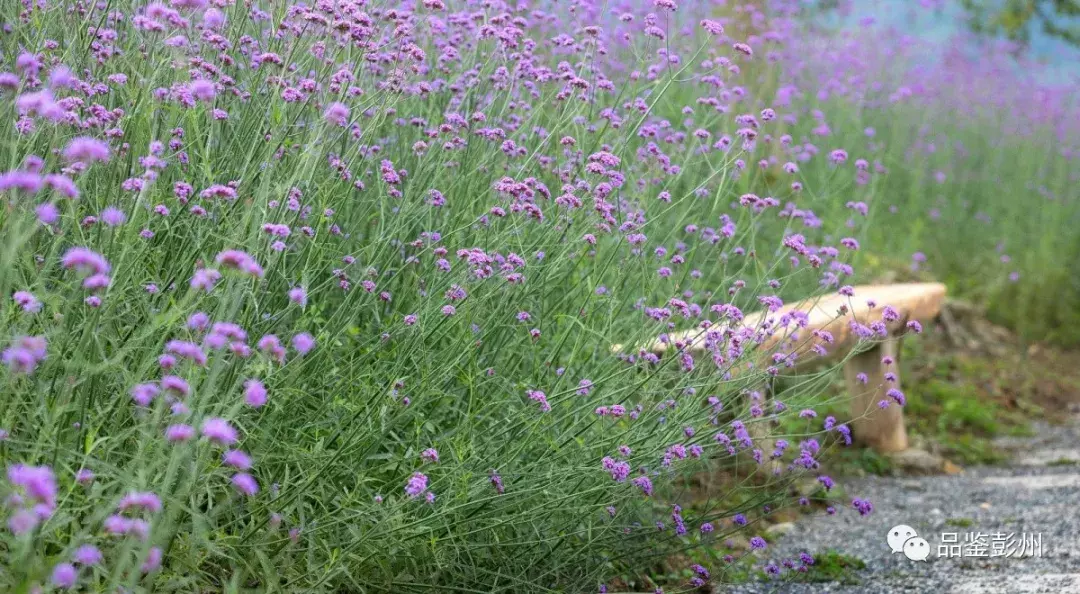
x=1015, y=18
x=832, y=566
x=322, y=296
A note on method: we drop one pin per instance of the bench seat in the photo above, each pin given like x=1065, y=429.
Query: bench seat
x=882, y=429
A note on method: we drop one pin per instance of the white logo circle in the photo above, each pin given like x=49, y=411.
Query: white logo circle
x=898, y=535
x=916, y=549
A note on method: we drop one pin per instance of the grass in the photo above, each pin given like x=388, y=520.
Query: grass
x=832, y=566
x=960, y=522
x=426, y=288
x=1063, y=462
x=862, y=461
x=959, y=418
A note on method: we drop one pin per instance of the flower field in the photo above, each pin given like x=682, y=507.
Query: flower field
x=320, y=296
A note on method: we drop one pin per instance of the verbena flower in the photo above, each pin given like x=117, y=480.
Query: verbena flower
x=237, y=459
x=85, y=260
x=153, y=560
x=87, y=554
x=219, y=431
x=254, y=393
x=416, y=485
x=179, y=432
x=25, y=354
x=245, y=483
x=64, y=576
x=239, y=260
x=87, y=150
x=303, y=343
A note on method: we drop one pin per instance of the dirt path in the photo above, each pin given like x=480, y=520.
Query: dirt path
x=1038, y=493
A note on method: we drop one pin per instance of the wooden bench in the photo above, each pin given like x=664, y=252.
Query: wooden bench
x=882, y=429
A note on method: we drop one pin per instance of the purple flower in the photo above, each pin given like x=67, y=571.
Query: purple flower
x=116, y=525
x=205, y=279
x=496, y=481
x=22, y=521
x=26, y=301
x=96, y=282
x=112, y=216
x=416, y=485
x=25, y=181
x=47, y=213
x=85, y=260
x=298, y=295
x=241, y=261
x=187, y=350
x=758, y=543
x=642, y=482
x=175, y=384
x=254, y=393
x=303, y=343
x=896, y=395
x=86, y=150
x=198, y=321
x=430, y=455
x=202, y=90
x=60, y=77
x=145, y=500
x=271, y=345
x=337, y=114
x=219, y=431
x=87, y=555
x=179, y=432
x=153, y=560
x=238, y=459
x=218, y=191
x=245, y=483
x=540, y=398
x=64, y=576
x=618, y=469
x=38, y=482
x=25, y=354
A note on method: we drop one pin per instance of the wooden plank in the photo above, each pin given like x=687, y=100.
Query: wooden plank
x=831, y=313
x=881, y=429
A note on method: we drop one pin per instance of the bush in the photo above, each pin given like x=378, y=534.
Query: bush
x=321, y=297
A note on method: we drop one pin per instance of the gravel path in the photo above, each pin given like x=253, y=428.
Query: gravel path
x=1037, y=493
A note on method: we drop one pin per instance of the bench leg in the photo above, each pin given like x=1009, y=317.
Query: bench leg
x=762, y=433
x=882, y=430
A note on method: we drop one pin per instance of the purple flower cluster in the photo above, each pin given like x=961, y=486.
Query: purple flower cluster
x=397, y=218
